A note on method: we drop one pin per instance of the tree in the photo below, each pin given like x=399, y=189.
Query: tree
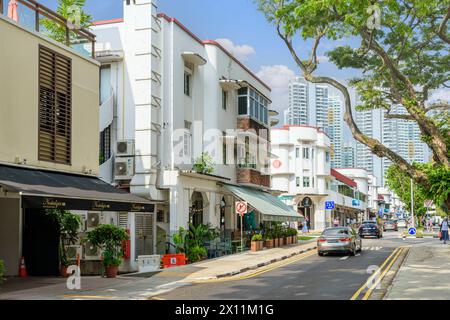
x=399, y=182
x=401, y=61
x=73, y=11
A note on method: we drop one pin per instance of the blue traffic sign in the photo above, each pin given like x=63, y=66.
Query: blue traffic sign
x=412, y=231
x=329, y=205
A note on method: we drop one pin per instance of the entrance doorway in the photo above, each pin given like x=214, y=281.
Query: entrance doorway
x=196, y=212
x=40, y=243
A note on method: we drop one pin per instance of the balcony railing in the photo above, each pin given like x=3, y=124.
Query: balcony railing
x=31, y=14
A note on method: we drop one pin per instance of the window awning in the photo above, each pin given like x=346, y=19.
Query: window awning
x=194, y=58
x=43, y=189
x=271, y=207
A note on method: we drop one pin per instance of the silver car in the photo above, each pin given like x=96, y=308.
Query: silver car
x=339, y=239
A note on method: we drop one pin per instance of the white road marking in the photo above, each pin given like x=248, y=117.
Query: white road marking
x=344, y=258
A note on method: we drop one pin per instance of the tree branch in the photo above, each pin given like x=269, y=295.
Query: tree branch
x=443, y=28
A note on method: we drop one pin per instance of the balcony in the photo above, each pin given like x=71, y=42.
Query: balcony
x=246, y=175
x=31, y=15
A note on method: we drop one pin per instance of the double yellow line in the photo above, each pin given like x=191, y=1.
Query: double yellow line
x=374, y=280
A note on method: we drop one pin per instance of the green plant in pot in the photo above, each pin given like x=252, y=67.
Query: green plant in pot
x=2, y=271
x=269, y=240
x=68, y=224
x=109, y=238
x=256, y=242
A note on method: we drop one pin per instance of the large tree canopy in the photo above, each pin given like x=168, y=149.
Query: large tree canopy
x=401, y=61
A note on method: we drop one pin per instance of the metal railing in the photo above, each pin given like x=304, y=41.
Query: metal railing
x=41, y=10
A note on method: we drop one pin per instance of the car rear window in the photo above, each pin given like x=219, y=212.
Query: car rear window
x=335, y=231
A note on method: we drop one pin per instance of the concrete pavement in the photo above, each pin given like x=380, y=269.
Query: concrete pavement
x=145, y=286
x=424, y=274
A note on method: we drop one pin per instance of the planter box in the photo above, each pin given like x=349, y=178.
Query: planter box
x=269, y=244
x=256, y=245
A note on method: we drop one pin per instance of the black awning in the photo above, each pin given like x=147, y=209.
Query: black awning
x=50, y=190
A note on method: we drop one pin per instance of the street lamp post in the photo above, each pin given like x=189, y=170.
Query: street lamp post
x=412, y=204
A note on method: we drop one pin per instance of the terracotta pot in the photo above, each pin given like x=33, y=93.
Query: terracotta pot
x=111, y=272
x=260, y=245
x=63, y=272
x=275, y=242
x=269, y=244
x=254, y=245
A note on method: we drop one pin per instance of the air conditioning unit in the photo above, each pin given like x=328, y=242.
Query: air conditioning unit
x=123, y=168
x=94, y=219
x=124, y=148
x=91, y=252
x=73, y=252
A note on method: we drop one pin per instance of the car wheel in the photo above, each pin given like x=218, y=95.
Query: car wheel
x=320, y=253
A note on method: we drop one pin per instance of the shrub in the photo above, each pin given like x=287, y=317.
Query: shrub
x=257, y=237
x=2, y=271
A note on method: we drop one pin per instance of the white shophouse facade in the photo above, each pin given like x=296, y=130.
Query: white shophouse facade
x=303, y=170
x=174, y=97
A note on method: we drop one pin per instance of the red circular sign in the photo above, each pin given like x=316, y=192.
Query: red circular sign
x=276, y=164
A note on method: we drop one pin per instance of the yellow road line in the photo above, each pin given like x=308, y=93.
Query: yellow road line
x=74, y=296
x=369, y=292
x=257, y=273
x=358, y=292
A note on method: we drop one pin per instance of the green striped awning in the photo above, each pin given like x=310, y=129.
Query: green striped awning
x=271, y=207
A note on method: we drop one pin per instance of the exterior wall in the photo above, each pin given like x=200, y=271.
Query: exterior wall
x=11, y=234
x=20, y=96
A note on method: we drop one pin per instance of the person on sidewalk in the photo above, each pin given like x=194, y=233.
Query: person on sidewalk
x=444, y=230
x=305, y=228
x=430, y=225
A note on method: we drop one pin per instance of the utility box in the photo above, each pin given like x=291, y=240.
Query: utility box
x=149, y=263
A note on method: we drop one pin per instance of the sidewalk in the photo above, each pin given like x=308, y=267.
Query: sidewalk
x=143, y=286
x=424, y=274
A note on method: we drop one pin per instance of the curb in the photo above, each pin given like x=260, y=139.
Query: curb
x=399, y=270
x=262, y=264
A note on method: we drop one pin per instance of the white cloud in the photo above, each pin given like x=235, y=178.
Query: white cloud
x=277, y=77
x=241, y=52
x=322, y=58
x=442, y=94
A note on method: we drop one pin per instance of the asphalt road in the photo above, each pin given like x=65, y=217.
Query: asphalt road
x=335, y=277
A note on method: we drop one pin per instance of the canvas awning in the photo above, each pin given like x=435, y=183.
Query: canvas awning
x=43, y=189
x=270, y=206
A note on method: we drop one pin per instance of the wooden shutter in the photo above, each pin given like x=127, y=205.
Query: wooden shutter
x=55, y=106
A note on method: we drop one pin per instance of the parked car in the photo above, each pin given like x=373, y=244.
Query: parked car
x=390, y=225
x=339, y=239
x=370, y=228
x=401, y=223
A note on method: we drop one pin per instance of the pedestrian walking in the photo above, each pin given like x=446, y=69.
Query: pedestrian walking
x=305, y=228
x=430, y=225
x=444, y=230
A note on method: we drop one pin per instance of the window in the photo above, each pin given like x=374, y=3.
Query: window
x=297, y=152
x=160, y=216
x=297, y=181
x=224, y=99
x=55, y=107
x=253, y=104
x=105, y=145
x=187, y=83
x=306, y=182
x=305, y=153
x=327, y=156
x=224, y=147
x=187, y=139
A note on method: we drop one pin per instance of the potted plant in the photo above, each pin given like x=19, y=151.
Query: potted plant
x=109, y=238
x=2, y=271
x=256, y=242
x=68, y=224
x=294, y=235
x=269, y=240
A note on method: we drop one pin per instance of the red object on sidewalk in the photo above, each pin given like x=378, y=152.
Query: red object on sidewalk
x=22, y=269
x=173, y=260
